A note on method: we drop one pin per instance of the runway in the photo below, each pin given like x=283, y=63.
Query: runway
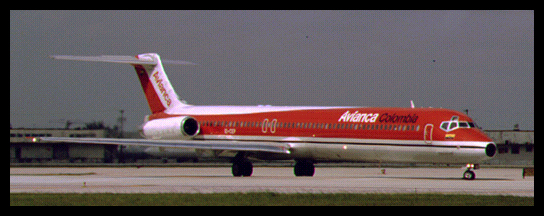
x=489, y=181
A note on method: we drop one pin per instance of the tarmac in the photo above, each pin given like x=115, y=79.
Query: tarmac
x=489, y=181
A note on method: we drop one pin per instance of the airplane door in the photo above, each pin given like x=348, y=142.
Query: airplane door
x=428, y=134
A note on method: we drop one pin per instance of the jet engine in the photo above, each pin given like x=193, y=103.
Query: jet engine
x=182, y=127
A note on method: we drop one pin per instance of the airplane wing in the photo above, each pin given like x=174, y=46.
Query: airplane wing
x=251, y=146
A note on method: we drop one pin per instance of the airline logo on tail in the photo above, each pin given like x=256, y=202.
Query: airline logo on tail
x=158, y=82
x=157, y=88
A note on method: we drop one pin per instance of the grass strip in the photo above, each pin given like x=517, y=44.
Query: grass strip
x=264, y=199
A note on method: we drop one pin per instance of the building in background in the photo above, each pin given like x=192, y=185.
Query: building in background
x=23, y=150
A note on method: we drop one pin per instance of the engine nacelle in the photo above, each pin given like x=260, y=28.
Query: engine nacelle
x=182, y=127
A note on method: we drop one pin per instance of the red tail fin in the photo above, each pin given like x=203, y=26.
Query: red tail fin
x=157, y=88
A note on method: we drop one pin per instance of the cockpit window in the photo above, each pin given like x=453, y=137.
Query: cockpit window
x=454, y=124
x=444, y=126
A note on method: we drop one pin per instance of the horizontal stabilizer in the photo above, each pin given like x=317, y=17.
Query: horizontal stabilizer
x=108, y=58
x=144, y=60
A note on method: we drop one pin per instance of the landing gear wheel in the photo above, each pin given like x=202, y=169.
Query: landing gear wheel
x=242, y=168
x=469, y=175
x=304, y=168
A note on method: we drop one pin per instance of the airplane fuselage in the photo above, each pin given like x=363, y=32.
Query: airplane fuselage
x=344, y=133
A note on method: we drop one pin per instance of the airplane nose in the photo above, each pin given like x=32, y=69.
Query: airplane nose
x=490, y=149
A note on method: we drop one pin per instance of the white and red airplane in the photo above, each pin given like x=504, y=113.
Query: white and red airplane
x=306, y=134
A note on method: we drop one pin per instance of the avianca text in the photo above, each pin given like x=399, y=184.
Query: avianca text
x=358, y=117
x=372, y=117
x=159, y=83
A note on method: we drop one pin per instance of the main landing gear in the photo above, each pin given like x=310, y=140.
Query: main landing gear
x=304, y=168
x=241, y=166
x=469, y=174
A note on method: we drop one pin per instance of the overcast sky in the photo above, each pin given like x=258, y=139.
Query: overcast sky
x=482, y=61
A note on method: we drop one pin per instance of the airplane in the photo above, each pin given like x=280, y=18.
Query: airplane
x=305, y=134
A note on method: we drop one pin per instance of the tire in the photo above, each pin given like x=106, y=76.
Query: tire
x=469, y=175
x=242, y=168
x=247, y=168
x=236, y=169
x=304, y=168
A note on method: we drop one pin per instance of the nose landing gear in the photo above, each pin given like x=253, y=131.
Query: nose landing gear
x=469, y=174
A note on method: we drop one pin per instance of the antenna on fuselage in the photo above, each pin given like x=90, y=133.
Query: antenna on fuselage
x=412, y=104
